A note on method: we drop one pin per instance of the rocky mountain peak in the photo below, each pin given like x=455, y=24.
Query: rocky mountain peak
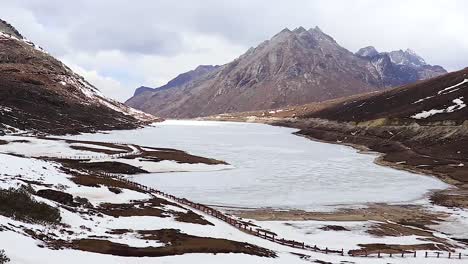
x=407, y=57
x=282, y=36
x=321, y=36
x=368, y=51
x=292, y=68
x=299, y=30
x=8, y=29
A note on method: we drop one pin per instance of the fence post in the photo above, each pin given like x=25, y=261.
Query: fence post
x=450, y=255
x=342, y=252
x=459, y=255
x=378, y=254
x=414, y=253
x=403, y=254
x=326, y=251
x=438, y=253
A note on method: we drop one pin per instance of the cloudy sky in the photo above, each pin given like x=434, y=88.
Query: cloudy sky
x=119, y=45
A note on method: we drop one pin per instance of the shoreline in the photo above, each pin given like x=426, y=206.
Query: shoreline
x=404, y=216
x=439, y=197
x=383, y=219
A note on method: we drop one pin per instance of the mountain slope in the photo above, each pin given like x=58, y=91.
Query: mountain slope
x=293, y=68
x=39, y=93
x=441, y=99
x=438, y=101
x=399, y=67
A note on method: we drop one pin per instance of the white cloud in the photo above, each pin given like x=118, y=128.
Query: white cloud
x=105, y=84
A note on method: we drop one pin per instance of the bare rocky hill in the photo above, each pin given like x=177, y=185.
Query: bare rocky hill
x=292, y=68
x=39, y=93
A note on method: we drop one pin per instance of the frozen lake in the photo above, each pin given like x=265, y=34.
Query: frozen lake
x=273, y=168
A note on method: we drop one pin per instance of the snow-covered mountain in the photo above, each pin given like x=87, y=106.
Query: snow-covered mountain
x=294, y=67
x=400, y=67
x=40, y=93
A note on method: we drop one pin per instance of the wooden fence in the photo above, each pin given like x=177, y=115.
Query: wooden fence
x=268, y=235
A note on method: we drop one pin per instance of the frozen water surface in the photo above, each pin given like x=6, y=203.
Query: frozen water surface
x=273, y=168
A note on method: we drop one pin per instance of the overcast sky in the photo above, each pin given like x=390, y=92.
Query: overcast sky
x=119, y=45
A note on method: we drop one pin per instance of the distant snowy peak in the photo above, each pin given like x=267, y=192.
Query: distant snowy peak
x=400, y=66
x=407, y=57
x=401, y=57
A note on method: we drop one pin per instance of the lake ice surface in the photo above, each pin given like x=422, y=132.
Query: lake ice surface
x=273, y=168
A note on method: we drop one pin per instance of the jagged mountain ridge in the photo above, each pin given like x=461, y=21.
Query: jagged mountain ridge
x=292, y=68
x=400, y=67
x=40, y=93
x=181, y=79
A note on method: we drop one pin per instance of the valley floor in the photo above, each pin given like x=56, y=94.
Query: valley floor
x=105, y=218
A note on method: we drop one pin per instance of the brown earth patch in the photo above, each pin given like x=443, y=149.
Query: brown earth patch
x=3, y=142
x=333, y=228
x=451, y=198
x=191, y=217
x=393, y=229
x=21, y=141
x=179, y=156
x=151, y=207
x=97, y=150
x=93, y=181
x=123, y=148
x=57, y=196
x=408, y=214
x=112, y=167
x=99, y=167
x=179, y=244
x=392, y=220
x=395, y=249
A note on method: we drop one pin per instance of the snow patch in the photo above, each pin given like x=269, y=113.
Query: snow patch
x=445, y=91
x=5, y=109
x=459, y=104
x=452, y=89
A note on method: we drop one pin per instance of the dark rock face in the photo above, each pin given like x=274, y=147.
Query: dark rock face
x=292, y=68
x=39, y=93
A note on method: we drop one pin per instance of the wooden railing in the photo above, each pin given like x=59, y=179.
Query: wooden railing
x=270, y=236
